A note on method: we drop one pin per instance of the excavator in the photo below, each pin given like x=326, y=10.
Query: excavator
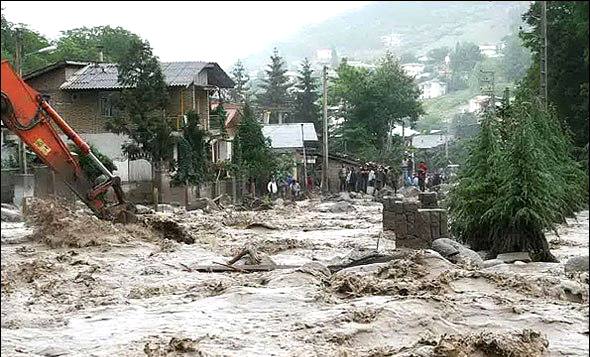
x=27, y=114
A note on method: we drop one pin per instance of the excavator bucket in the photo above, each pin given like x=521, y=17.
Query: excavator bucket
x=29, y=116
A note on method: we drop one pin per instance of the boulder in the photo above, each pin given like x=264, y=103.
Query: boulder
x=343, y=196
x=279, y=202
x=491, y=262
x=514, y=256
x=11, y=215
x=163, y=207
x=576, y=264
x=141, y=209
x=444, y=247
x=340, y=207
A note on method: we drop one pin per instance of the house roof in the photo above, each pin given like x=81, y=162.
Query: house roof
x=232, y=111
x=53, y=66
x=397, y=130
x=288, y=135
x=429, y=141
x=105, y=76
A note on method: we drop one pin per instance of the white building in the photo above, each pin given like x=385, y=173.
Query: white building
x=478, y=103
x=490, y=51
x=413, y=69
x=432, y=89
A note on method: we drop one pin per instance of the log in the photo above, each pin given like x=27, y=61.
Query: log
x=240, y=268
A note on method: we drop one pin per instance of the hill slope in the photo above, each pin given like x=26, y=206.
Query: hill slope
x=416, y=27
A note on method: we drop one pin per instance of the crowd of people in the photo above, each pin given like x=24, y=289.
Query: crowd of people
x=369, y=178
x=287, y=187
x=420, y=177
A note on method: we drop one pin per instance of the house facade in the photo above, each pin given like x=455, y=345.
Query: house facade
x=84, y=94
x=432, y=89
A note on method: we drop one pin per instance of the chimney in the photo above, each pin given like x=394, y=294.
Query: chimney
x=100, y=54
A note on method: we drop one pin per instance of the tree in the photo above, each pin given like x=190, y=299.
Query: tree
x=517, y=182
x=275, y=85
x=438, y=55
x=241, y=90
x=464, y=57
x=306, y=108
x=516, y=59
x=372, y=101
x=567, y=64
x=143, y=100
x=252, y=158
x=193, y=165
x=32, y=41
x=83, y=43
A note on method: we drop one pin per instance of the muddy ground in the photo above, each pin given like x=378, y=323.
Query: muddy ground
x=82, y=288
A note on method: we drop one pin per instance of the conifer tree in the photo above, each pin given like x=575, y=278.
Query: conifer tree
x=241, y=91
x=275, y=95
x=306, y=108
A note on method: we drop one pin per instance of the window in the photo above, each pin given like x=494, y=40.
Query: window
x=107, y=105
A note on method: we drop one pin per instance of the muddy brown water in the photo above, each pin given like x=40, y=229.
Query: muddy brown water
x=130, y=298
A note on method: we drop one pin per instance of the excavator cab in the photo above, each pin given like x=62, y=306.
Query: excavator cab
x=27, y=114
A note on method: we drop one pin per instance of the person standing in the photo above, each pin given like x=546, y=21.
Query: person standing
x=422, y=170
x=371, y=181
x=272, y=187
x=342, y=178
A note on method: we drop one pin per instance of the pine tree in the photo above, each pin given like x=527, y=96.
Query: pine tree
x=252, y=158
x=477, y=185
x=306, y=108
x=241, y=91
x=275, y=86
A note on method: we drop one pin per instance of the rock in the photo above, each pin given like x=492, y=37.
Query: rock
x=355, y=195
x=577, y=264
x=279, y=202
x=444, y=248
x=518, y=262
x=343, y=196
x=316, y=269
x=163, y=207
x=205, y=203
x=410, y=191
x=428, y=199
x=514, y=256
x=11, y=215
x=468, y=256
x=338, y=207
x=141, y=209
x=491, y=262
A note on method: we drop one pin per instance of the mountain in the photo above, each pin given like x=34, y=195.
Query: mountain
x=401, y=27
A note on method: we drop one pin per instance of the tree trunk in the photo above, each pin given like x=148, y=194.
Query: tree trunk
x=532, y=241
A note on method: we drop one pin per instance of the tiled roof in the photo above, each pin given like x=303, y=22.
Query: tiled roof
x=53, y=66
x=288, y=135
x=105, y=75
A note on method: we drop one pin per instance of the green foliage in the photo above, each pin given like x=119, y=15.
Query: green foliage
x=32, y=41
x=83, y=43
x=567, y=65
x=516, y=60
x=519, y=180
x=241, y=91
x=252, y=157
x=143, y=102
x=275, y=85
x=306, y=108
x=193, y=164
x=464, y=57
x=372, y=100
x=438, y=55
x=88, y=166
x=74, y=44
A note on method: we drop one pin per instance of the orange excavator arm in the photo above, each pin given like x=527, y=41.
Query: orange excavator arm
x=29, y=116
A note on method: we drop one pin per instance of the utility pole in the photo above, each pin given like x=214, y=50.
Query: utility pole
x=325, y=186
x=304, y=158
x=18, y=63
x=487, y=86
x=543, y=82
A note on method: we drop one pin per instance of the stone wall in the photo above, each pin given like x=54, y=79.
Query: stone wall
x=415, y=223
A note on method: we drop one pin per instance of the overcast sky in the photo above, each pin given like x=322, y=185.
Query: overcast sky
x=177, y=31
